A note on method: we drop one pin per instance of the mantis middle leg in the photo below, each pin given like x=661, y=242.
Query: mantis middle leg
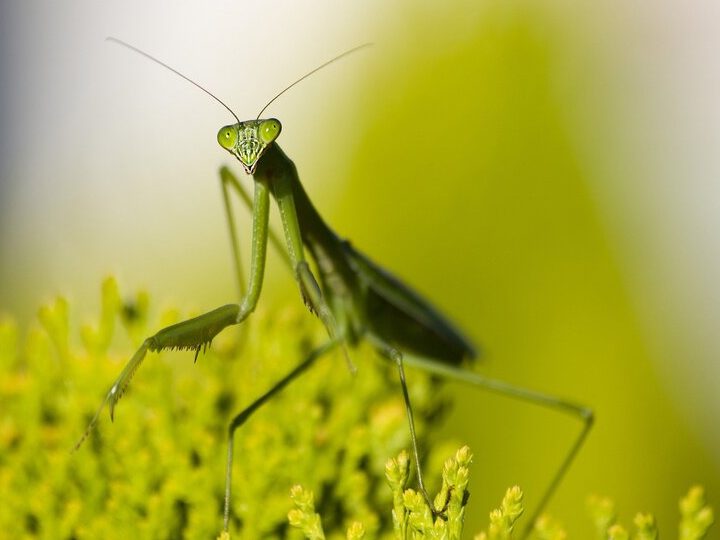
x=245, y=414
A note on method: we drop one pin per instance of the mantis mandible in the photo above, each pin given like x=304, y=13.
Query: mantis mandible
x=354, y=298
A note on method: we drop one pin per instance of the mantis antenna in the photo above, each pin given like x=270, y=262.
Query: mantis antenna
x=175, y=71
x=338, y=57
x=221, y=102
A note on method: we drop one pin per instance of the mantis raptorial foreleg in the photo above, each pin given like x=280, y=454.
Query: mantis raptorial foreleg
x=309, y=288
x=229, y=180
x=198, y=333
x=293, y=256
x=193, y=334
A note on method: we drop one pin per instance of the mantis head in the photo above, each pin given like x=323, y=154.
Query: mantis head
x=248, y=140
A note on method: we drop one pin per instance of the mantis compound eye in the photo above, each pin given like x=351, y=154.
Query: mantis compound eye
x=227, y=137
x=269, y=130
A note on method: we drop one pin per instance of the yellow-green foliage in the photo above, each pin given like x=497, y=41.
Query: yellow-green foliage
x=502, y=520
x=695, y=519
x=158, y=471
x=412, y=518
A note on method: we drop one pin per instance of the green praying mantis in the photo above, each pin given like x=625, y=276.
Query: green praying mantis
x=355, y=298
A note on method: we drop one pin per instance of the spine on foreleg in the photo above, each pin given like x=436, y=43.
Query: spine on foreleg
x=309, y=288
x=197, y=333
x=313, y=298
x=315, y=301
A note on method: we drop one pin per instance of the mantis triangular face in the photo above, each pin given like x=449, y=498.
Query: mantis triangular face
x=248, y=140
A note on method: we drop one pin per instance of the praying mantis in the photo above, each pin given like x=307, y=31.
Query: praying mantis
x=354, y=298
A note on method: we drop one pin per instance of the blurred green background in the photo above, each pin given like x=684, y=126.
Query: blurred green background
x=544, y=171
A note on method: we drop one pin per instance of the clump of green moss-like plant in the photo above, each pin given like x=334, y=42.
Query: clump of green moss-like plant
x=158, y=471
x=412, y=518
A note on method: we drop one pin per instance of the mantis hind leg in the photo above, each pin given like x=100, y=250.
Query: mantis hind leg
x=584, y=414
x=391, y=353
x=194, y=334
x=245, y=414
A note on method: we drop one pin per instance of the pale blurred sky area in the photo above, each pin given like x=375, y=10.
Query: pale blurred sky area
x=108, y=163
